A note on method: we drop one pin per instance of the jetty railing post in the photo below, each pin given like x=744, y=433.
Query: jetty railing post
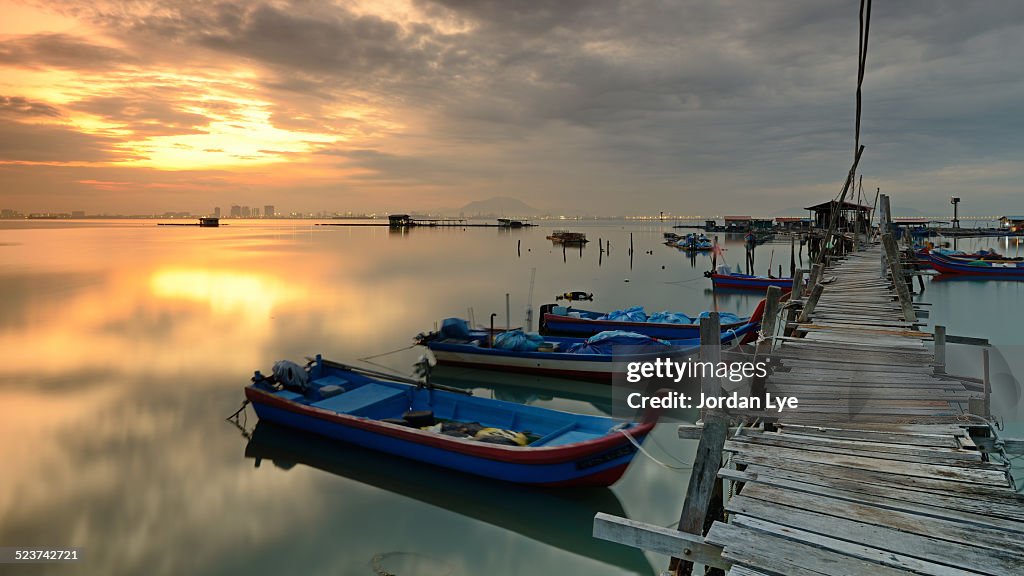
x=764, y=343
x=896, y=271
x=704, y=492
x=817, y=271
x=508, y=312
x=987, y=383
x=940, y=349
x=812, y=301
x=883, y=226
x=796, y=294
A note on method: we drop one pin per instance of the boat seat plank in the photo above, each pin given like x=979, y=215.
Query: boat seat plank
x=359, y=401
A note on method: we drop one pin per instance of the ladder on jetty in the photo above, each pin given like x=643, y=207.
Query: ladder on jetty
x=875, y=472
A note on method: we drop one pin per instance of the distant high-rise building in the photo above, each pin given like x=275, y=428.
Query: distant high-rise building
x=236, y=211
x=268, y=211
x=216, y=212
x=246, y=212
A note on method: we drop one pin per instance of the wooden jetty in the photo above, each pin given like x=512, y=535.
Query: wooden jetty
x=889, y=465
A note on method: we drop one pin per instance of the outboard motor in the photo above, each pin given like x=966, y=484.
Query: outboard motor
x=291, y=375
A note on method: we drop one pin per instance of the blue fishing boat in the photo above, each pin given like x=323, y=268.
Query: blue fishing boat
x=446, y=427
x=591, y=359
x=737, y=281
x=569, y=321
x=692, y=243
x=1009, y=269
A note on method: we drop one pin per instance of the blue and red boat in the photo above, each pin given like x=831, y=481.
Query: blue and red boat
x=737, y=281
x=569, y=321
x=1010, y=269
x=482, y=436
x=595, y=359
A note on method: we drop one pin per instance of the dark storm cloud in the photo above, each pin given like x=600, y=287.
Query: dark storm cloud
x=53, y=143
x=59, y=51
x=19, y=106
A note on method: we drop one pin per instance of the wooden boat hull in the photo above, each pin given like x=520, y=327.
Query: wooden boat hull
x=559, y=324
x=591, y=367
x=753, y=283
x=1013, y=270
x=593, y=461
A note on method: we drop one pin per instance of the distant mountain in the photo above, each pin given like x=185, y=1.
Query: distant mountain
x=498, y=206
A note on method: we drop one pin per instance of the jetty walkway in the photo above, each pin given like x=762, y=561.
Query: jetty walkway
x=886, y=467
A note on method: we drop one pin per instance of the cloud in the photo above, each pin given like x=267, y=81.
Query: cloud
x=19, y=106
x=680, y=103
x=23, y=142
x=59, y=51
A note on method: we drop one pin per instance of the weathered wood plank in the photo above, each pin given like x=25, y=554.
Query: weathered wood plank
x=654, y=538
x=949, y=530
x=884, y=556
x=928, y=503
x=781, y=556
x=986, y=477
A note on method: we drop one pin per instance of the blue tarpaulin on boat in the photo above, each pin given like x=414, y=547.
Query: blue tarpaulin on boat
x=667, y=317
x=518, y=340
x=603, y=342
x=633, y=314
x=454, y=328
x=723, y=317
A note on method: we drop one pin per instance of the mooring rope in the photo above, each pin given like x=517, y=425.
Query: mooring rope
x=369, y=359
x=632, y=440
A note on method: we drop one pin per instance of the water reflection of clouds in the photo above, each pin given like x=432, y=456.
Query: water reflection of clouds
x=120, y=381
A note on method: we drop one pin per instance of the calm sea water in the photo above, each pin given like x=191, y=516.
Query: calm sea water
x=125, y=345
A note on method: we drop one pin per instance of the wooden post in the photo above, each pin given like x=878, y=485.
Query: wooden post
x=792, y=255
x=812, y=301
x=710, y=351
x=987, y=382
x=797, y=292
x=940, y=349
x=764, y=343
x=817, y=271
x=703, y=491
x=883, y=226
x=896, y=271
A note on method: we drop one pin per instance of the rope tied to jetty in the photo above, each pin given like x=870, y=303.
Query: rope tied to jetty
x=687, y=465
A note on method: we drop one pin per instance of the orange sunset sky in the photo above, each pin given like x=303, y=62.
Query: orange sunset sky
x=592, y=107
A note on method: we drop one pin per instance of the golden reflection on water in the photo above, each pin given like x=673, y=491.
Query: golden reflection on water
x=126, y=345
x=244, y=296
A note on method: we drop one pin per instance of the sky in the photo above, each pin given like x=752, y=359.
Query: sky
x=572, y=106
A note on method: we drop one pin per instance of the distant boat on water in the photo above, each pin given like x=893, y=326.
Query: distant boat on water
x=567, y=237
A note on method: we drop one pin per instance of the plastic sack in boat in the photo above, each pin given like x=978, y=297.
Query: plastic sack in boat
x=667, y=317
x=454, y=328
x=724, y=317
x=603, y=342
x=633, y=314
x=518, y=340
